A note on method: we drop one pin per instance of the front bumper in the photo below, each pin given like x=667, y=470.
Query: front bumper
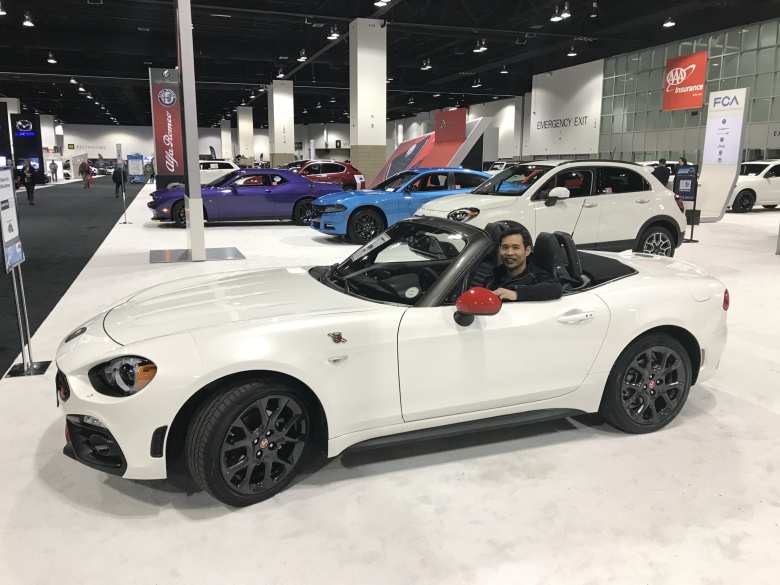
x=93, y=446
x=160, y=212
x=334, y=224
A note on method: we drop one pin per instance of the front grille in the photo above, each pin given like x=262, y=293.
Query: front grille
x=317, y=210
x=94, y=446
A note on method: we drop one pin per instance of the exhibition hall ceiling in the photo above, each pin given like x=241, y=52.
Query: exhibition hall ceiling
x=457, y=52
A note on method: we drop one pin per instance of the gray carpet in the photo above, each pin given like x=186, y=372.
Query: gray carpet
x=59, y=234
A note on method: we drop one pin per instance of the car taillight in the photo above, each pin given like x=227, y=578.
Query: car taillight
x=726, y=300
x=679, y=202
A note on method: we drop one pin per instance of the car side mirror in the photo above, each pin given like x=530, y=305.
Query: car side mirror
x=557, y=194
x=473, y=302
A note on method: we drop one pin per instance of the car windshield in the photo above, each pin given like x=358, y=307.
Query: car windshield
x=395, y=182
x=752, y=170
x=400, y=265
x=223, y=180
x=513, y=181
x=497, y=166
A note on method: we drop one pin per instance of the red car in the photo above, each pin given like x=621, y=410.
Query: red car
x=331, y=171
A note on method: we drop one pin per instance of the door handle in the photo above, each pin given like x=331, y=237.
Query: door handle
x=574, y=318
x=267, y=190
x=642, y=200
x=590, y=204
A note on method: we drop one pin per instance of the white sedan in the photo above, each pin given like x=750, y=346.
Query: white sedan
x=240, y=378
x=758, y=183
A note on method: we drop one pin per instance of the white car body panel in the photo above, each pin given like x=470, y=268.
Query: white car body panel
x=200, y=330
x=766, y=188
x=209, y=174
x=590, y=220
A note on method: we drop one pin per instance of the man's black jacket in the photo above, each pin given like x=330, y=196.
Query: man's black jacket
x=661, y=173
x=533, y=284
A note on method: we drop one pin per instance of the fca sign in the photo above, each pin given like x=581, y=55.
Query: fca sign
x=726, y=101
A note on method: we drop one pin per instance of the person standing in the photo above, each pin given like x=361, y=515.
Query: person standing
x=28, y=180
x=53, y=171
x=661, y=172
x=84, y=174
x=119, y=176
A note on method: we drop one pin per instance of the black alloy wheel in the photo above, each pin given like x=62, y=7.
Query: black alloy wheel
x=648, y=385
x=179, y=214
x=657, y=240
x=249, y=442
x=769, y=206
x=302, y=212
x=364, y=225
x=743, y=202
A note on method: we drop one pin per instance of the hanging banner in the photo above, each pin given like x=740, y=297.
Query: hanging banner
x=684, y=82
x=167, y=126
x=26, y=133
x=13, y=253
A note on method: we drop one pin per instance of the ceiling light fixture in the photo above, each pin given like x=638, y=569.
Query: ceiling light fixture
x=594, y=10
x=436, y=95
x=556, y=17
x=381, y=3
x=334, y=33
x=2, y=10
x=218, y=15
x=476, y=83
x=411, y=101
x=480, y=47
x=28, y=20
x=332, y=100
x=73, y=80
x=89, y=96
x=389, y=79
x=572, y=52
x=280, y=75
x=669, y=23
x=566, y=12
x=426, y=65
x=50, y=59
x=504, y=70
x=305, y=111
x=319, y=106
x=302, y=58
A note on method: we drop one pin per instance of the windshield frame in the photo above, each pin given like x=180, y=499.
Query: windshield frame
x=489, y=186
x=477, y=243
x=411, y=176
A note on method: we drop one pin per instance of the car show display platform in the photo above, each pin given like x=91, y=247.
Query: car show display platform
x=533, y=504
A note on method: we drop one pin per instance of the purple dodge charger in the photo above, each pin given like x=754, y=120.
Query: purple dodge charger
x=247, y=194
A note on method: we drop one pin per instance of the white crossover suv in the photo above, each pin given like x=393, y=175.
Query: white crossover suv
x=758, y=184
x=604, y=205
x=211, y=170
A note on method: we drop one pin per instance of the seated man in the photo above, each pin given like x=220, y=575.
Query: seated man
x=517, y=279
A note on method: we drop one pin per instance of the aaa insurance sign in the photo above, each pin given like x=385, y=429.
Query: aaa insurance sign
x=684, y=82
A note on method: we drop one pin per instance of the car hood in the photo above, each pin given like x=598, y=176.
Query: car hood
x=342, y=196
x=481, y=202
x=220, y=299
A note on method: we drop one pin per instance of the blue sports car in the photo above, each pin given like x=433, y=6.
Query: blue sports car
x=361, y=215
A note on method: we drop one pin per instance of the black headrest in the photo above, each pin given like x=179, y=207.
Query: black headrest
x=496, y=228
x=547, y=252
x=566, y=243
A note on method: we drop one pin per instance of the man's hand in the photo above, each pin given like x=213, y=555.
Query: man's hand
x=505, y=294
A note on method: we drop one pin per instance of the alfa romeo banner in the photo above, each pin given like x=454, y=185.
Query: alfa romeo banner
x=684, y=82
x=166, y=122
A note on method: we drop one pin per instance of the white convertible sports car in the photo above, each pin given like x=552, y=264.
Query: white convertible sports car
x=243, y=376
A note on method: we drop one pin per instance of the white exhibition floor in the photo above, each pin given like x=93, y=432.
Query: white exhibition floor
x=567, y=502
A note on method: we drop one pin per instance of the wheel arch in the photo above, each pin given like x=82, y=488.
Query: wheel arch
x=174, y=445
x=370, y=206
x=685, y=338
x=662, y=221
x=177, y=201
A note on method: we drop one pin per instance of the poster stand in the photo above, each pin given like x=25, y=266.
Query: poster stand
x=13, y=256
x=686, y=186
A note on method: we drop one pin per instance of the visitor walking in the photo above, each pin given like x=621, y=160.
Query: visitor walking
x=119, y=177
x=28, y=180
x=53, y=171
x=84, y=174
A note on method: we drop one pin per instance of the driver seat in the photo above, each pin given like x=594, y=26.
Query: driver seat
x=556, y=254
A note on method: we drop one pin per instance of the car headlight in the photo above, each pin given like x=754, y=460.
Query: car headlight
x=464, y=214
x=333, y=208
x=123, y=376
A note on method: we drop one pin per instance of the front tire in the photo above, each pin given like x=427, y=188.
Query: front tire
x=364, y=225
x=743, y=202
x=249, y=442
x=648, y=385
x=769, y=206
x=178, y=214
x=656, y=240
x=302, y=211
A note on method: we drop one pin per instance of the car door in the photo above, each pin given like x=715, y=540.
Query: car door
x=564, y=215
x=282, y=193
x=527, y=352
x=333, y=173
x=250, y=199
x=770, y=192
x=625, y=200
x=422, y=189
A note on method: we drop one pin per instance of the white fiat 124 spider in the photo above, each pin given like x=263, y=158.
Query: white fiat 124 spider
x=239, y=378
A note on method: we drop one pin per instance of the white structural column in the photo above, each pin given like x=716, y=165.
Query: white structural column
x=281, y=122
x=246, y=133
x=48, y=139
x=367, y=95
x=226, y=138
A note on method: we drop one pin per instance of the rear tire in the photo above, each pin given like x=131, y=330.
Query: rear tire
x=227, y=433
x=656, y=240
x=302, y=211
x=648, y=384
x=743, y=202
x=364, y=225
x=769, y=206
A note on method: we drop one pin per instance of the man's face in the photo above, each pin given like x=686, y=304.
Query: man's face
x=513, y=253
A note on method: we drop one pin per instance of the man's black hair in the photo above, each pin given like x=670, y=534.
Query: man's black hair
x=661, y=161
x=520, y=230
x=683, y=160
